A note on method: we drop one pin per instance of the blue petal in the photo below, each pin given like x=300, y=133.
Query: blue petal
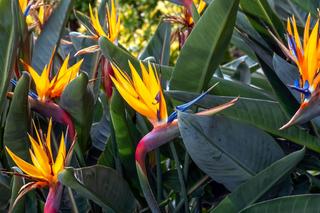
x=296, y=83
x=172, y=117
x=292, y=45
x=26, y=12
x=187, y=105
x=304, y=90
x=306, y=85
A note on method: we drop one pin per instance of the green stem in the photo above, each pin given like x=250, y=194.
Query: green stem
x=116, y=152
x=186, y=166
x=159, y=176
x=181, y=179
x=160, y=135
x=194, y=188
x=52, y=204
x=73, y=201
x=154, y=139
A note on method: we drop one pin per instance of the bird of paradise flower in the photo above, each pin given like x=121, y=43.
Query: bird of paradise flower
x=146, y=97
x=48, y=89
x=44, y=170
x=97, y=30
x=306, y=55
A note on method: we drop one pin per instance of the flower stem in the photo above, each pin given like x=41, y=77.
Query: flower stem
x=183, y=193
x=52, y=204
x=159, y=136
x=154, y=139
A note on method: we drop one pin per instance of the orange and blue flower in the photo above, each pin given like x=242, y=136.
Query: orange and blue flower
x=306, y=55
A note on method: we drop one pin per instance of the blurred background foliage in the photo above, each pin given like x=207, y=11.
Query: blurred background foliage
x=139, y=21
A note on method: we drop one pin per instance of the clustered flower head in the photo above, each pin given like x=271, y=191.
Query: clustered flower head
x=306, y=55
x=49, y=88
x=144, y=94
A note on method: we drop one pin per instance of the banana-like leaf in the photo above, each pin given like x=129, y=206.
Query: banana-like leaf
x=100, y=133
x=287, y=8
x=102, y=185
x=252, y=190
x=17, y=123
x=243, y=25
x=284, y=95
x=77, y=99
x=236, y=88
x=90, y=61
x=258, y=80
x=50, y=35
x=260, y=10
x=290, y=204
x=16, y=183
x=205, y=46
x=229, y=151
x=226, y=87
x=5, y=190
x=106, y=157
x=9, y=27
x=159, y=45
x=121, y=57
x=266, y=115
x=125, y=143
x=287, y=73
x=84, y=20
x=310, y=6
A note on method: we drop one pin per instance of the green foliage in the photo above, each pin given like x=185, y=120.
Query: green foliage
x=209, y=40
x=10, y=37
x=207, y=159
x=101, y=184
x=235, y=155
x=17, y=124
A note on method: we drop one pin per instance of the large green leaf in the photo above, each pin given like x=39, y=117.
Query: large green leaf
x=310, y=6
x=90, y=61
x=256, y=187
x=17, y=123
x=9, y=12
x=100, y=132
x=16, y=184
x=205, y=46
x=102, y=185
x=287, y=8
x=5, y=190
x=50, y=35
x=124, y=140
x=121, y=57
x=265, y=58
x=159, y=45
x=266, y=115
x=287, y=73
x=236, y=88
x=229, y=151
x=77, y=99
x=260, y=11
x=226, y=87
x=291, y=204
